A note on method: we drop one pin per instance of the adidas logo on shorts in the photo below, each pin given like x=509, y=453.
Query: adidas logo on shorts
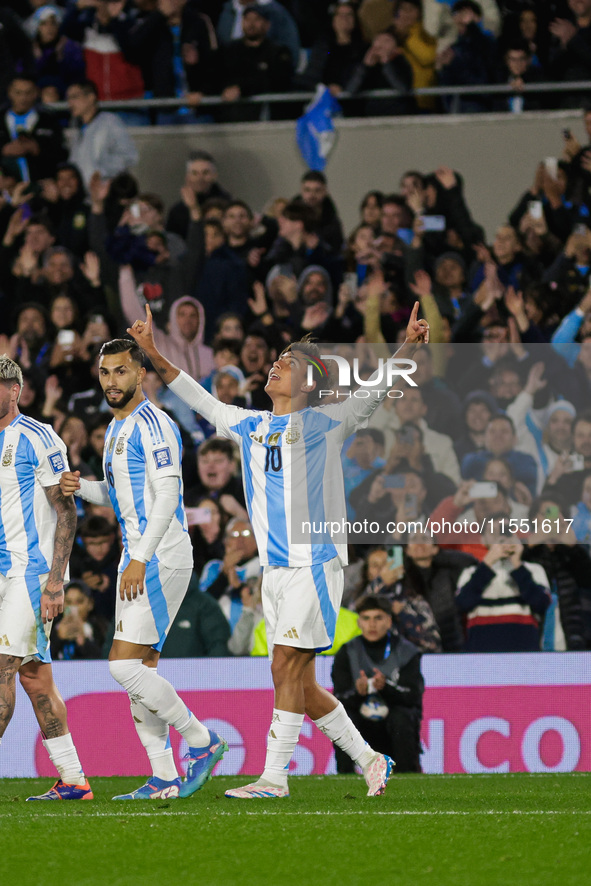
x=292, y=634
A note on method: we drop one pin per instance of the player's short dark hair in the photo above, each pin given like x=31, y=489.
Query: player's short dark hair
x=94, y=527
x=322, y=373
x=374, y=601
x=314, y=175
x=120, y=346
x=217, y=444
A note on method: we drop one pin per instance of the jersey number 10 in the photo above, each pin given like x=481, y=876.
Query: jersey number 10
x=273, y=459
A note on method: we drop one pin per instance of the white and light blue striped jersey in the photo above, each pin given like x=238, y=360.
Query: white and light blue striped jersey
x=138, y=450
x=291, y=470
x=32, y=457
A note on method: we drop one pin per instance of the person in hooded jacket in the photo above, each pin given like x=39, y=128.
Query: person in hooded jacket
x=314, y=304
x=183, y=339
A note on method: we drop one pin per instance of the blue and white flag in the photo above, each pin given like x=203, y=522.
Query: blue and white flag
x=315, y=132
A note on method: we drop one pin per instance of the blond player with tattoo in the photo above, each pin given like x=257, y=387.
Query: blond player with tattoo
x=37, y=528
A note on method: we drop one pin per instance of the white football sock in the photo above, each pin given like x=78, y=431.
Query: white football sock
x=339, y=727
x=146, y=686
x=281, y=741
x=64, y=757
x=154, y=735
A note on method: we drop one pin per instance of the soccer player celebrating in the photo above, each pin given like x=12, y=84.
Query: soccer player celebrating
x=291, y=462
x=142, y=464
x=37, y=529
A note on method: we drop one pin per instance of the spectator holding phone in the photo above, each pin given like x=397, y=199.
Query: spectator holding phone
x=406, y=487
x=432, y=573
x=499, y=442
x=360, y=460
x=224, y=579
x=78, y=634
x=571, y=468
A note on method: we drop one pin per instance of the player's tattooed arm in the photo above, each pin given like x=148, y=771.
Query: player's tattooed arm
x=142, y=332
x=52, y=598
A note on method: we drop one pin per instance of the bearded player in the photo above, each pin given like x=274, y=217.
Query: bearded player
x=142, y=466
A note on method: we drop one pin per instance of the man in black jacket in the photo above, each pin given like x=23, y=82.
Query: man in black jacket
x=176, y=47
x=383, y=67
x=378, y=679
x=314, y=194
x=31, y=139
x=254, y=65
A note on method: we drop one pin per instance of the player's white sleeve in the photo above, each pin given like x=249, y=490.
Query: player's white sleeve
x=53, y=460
x=355, y=412
x=94, y=491
x=195, y=396
x=166, y=502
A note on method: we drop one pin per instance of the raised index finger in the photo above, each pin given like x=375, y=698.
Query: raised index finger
x=148, y=314
x=414, y=312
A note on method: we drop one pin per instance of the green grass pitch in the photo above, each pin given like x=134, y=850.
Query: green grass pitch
x=490, y=830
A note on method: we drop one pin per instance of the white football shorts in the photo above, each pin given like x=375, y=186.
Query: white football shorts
x=147, y=619
x=301, y=604
x=22, y=633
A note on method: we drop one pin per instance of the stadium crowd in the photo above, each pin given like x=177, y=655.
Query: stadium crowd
x=235, y=49
x=502, y=390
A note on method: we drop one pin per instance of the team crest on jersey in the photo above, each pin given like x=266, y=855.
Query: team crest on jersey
x=120, y=445
x=56, y=460
x=292, y=435
x=162, y=457
x=7, y=457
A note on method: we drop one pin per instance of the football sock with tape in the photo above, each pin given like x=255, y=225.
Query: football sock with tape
x=281, y=741
x=146, y=686
x=64, y=757
x=154, y=735
x=339, y=727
